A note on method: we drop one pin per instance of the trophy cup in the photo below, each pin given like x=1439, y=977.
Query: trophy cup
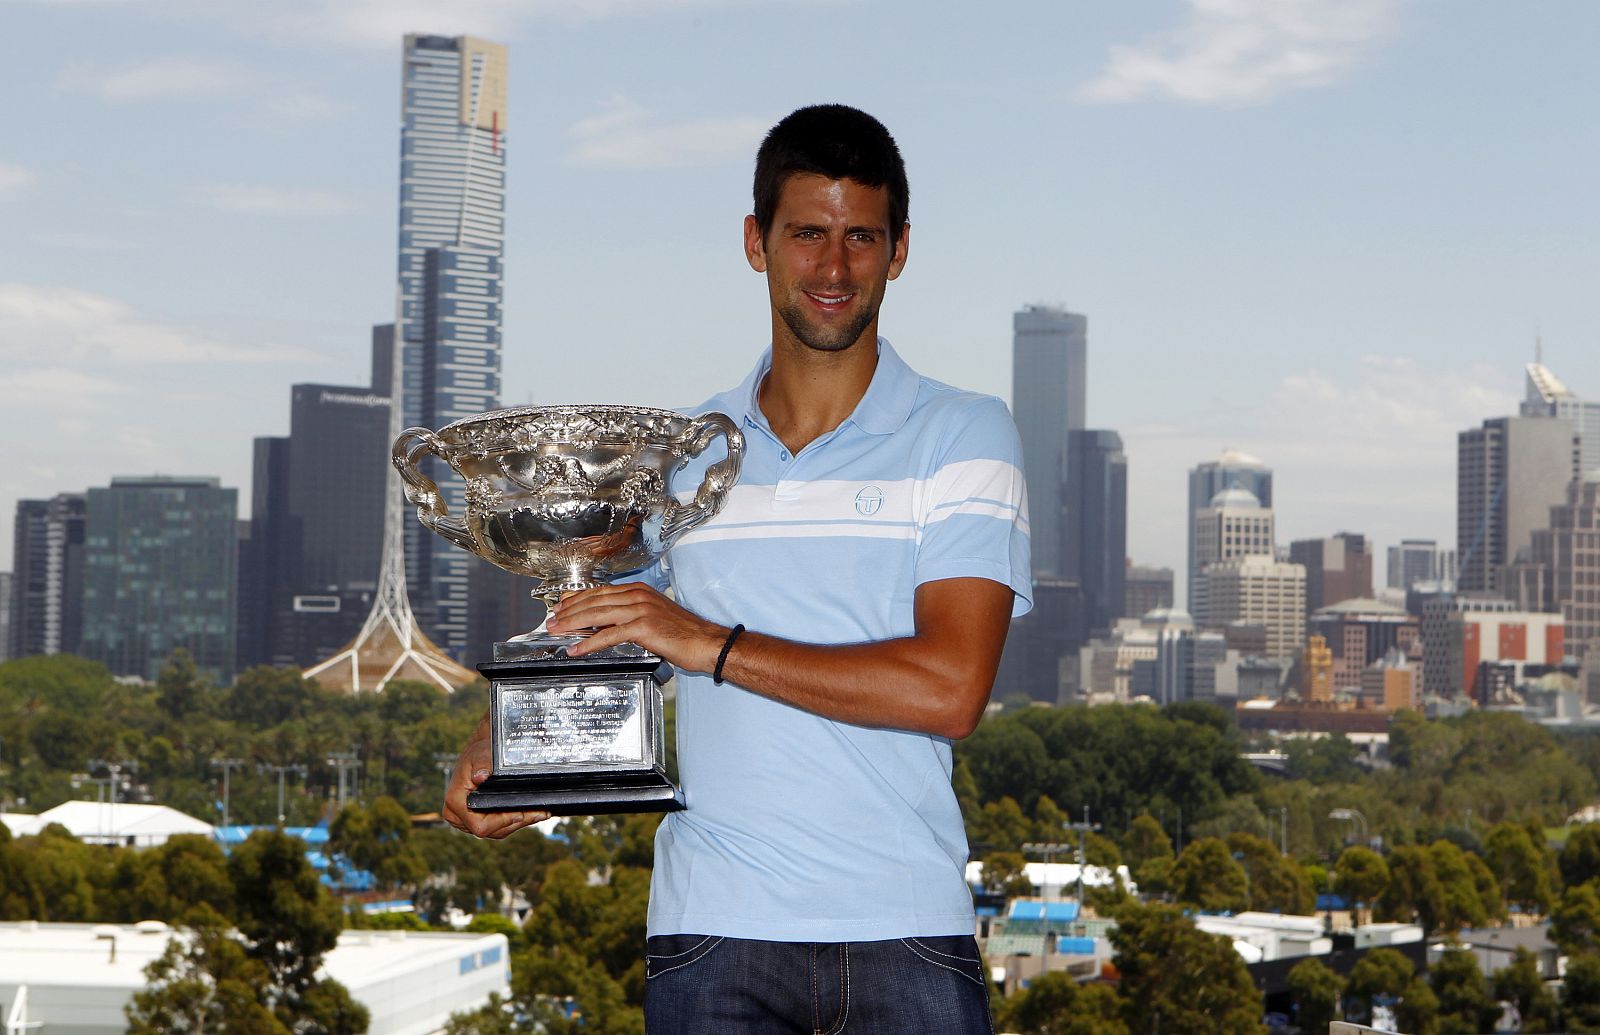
x=572, y=496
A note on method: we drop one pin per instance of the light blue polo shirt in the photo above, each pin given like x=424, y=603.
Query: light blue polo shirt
x=801, y=828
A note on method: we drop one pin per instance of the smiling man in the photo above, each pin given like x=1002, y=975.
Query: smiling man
x=834, y=628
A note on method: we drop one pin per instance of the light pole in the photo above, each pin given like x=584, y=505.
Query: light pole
x=447, y=765
x=282, y=770
x=1083, y=829
x=1353, y=815
x=227, y=765
x=346, y=762
x=1049, y=849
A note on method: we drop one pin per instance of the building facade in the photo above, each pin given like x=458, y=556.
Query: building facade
x=1235, y=524
x=1338, y=568
x=1049, y=391
x=47, y=576
x=1547, y=397
x=1232, y=469
x=1509, y=473
x=1361, y=632
x=1461, y=634
x=1094, y=547
x=1146, y=589
x=1412, y=561
x=1562, y=572
x=1259, y=590
x=1037, y=643
x=160, y=572
x=452, y=247
x=316, y=528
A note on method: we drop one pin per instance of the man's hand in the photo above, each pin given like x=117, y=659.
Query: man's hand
x=636, y=613
x=472, y=768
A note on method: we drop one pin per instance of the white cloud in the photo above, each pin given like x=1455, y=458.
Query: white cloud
x=14, y=179
x=259, y=200
x=50, y=387
x=627, y=136
x=1243, y=51
x=80, y=327
x=177, y=78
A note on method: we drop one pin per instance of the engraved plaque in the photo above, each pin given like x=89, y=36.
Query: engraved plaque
x=594, y=722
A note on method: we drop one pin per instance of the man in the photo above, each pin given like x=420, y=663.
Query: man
x=834, y=628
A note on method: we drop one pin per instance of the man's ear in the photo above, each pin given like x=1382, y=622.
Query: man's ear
x=755, y=249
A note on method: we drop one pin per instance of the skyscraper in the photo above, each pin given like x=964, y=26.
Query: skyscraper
x=1562, y=571
x=1509, y=473
x=1095, y=523
x=1258, y=590
x=1234, y=524
x=1049, y=375
x=1232, y=469
x=1414, y=560
x=452, y=243
x=1338, y=568
x=47, y=576
x=160, y=559
x=1548, y=397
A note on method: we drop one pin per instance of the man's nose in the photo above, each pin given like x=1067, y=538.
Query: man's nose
x=836, y=261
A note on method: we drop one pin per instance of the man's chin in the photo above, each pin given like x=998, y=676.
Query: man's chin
x=824, y=339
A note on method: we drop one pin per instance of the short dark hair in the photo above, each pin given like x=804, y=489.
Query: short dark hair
x=836, y=141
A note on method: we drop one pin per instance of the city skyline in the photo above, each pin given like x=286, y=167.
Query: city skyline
x=1272, y=261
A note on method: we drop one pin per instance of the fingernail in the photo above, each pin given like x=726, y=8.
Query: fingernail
x=480, y=774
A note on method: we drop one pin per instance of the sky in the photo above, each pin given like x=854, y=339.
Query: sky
x=1325, y=232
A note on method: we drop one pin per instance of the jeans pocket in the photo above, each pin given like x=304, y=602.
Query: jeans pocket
x=664, y=953
x=957, y=953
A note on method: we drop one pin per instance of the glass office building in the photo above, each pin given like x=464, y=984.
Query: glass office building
x=452, y=244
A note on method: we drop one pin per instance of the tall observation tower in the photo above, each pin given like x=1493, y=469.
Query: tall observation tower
x=446, y=344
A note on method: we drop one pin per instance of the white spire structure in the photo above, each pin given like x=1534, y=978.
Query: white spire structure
x=391, y=645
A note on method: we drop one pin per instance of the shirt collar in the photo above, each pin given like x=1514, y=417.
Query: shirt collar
x=884, y=408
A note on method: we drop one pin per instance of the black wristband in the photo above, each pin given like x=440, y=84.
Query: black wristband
x=727, y=645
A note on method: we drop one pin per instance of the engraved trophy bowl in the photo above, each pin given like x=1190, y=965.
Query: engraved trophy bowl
x=569, y=495
x=572, y=496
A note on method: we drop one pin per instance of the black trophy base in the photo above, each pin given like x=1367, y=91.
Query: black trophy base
x=588, y=794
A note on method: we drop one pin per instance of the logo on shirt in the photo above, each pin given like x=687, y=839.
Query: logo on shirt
x=869, y=501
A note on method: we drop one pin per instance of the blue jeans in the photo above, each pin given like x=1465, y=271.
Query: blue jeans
x=698, y=984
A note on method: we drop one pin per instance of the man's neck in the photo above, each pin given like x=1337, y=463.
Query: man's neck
x=808, y=393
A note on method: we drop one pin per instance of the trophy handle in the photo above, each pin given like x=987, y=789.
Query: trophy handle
x=719, y=479
x=409, y=449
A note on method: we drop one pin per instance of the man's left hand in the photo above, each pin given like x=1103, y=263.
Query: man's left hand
x=636, y=613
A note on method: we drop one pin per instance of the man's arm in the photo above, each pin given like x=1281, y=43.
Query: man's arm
x=936, y=680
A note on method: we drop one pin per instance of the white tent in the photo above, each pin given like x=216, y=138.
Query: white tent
x=101, y=822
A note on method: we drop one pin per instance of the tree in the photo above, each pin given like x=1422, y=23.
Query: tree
x=1206, y=877
x=169, y=881
x=1277, y=885
x=1465, y=1005
x=378, y=839
x=1521, y=868
x=205, y=982
x=1580, y=856
x=1360, y=877
x=289, y=921
x=1575, y=924
x=181, y=691
x=1003, y=874
x=1521, y=984
x=1414, y=892
x=1418, y=1009
x=493, y=1019
x=1380, y=977
x=1471, y=895
x=1177, y=978
x=1054, y=1003
x=1145, y=840
x=1315, y=990
x=1581, y=1005
x=1002, y=826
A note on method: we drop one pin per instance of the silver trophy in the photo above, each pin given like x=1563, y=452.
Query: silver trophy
x=572, y=496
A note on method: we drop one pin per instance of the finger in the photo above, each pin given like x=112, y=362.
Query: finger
x=603, y=638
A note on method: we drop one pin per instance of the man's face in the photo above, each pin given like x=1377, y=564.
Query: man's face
x=827, y=258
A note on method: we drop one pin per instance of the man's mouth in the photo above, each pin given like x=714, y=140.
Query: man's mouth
x=830, y=301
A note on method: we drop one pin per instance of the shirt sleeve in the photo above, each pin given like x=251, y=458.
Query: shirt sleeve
x=974, y=517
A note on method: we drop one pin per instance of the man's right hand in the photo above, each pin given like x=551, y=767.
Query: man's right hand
x=472, y=768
